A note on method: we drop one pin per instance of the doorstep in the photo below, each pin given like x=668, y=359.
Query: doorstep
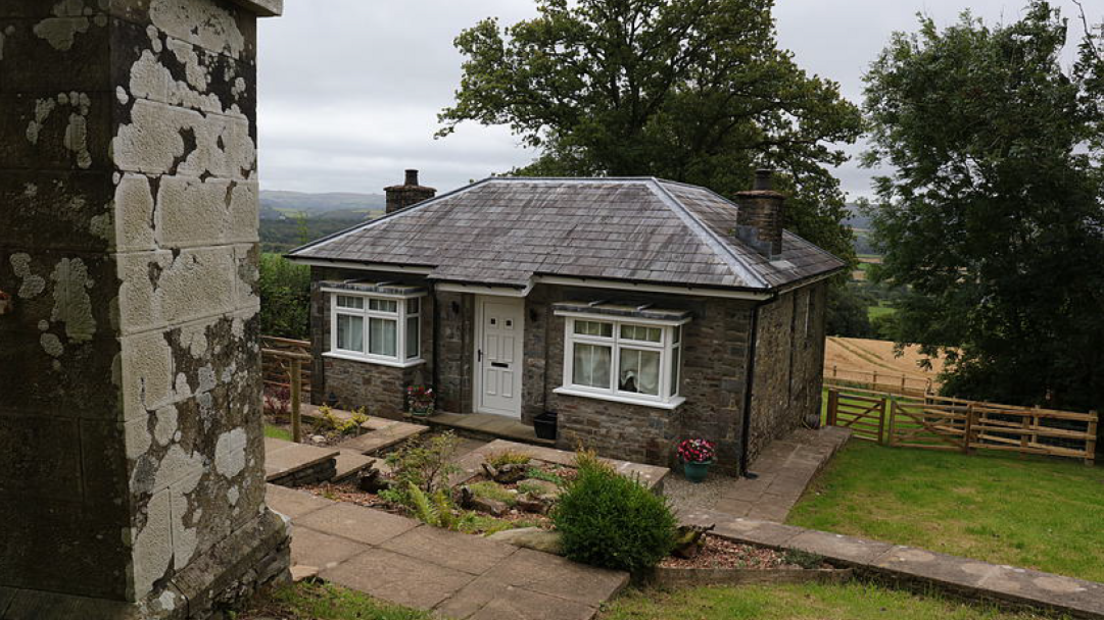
x=487, y=426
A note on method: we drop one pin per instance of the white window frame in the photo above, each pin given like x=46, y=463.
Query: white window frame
x=400, y=316
x=668, y=397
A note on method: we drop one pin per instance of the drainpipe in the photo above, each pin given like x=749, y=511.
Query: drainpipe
x=435, y=347
x=745, y=436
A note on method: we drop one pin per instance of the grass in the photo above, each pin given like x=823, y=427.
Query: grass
x=275, y=432
x=874, y=312
x=1031, y=512
x=854, y=601
x=317, y=601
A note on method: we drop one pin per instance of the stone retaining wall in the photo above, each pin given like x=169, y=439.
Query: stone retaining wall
x=912, y=567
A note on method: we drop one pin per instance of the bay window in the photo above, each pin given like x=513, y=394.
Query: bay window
x=381, y=329
x=632, y=360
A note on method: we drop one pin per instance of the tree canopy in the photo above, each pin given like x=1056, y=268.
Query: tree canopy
x=993, y=216
x=690, y=90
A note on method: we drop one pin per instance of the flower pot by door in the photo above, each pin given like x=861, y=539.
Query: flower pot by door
x=696, y=472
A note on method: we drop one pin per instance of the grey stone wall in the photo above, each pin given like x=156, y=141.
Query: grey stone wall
x=789, y=365
x=131, y=441
x=454, y=351
x=380, y=390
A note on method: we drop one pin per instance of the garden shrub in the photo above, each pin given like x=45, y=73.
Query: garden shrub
x=425, y=464
x=507, y=457
x=611, y=521
x=489, y=490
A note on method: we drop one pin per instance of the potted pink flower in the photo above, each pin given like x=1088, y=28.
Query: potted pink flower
x=696, y=456
x=420, y=400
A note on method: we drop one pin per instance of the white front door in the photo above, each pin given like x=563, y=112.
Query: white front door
x=498, y=355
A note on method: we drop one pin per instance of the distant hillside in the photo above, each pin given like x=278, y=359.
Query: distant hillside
x=856, y=219
x=282, y=230
x=280, y=204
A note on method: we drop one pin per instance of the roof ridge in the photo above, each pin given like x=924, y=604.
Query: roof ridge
x=711, y=239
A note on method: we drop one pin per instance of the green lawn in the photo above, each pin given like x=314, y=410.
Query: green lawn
x=1030, y=512
x=316, y=601
x=276, y=432
x=853, y=601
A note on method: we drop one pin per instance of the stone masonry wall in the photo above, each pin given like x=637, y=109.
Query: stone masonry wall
x=131, y=441
x=381, y=390
x=714, y=359
x=789, y=368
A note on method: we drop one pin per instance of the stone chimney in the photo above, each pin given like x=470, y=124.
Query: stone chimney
x=410, y=193
x=761, y=215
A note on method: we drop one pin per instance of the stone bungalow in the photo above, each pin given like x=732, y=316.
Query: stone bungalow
x=641, y=311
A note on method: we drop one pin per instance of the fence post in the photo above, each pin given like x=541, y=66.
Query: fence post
x=892, y=421
x=835, y=371
x=881, y=421
x=296, y=398
x=875, y=382
x=969, y=428
x=833, y=404
x=1090, y=445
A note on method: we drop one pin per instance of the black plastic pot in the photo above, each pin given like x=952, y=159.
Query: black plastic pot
x=545, y=425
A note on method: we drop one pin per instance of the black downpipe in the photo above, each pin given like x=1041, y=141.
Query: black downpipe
x=745, y=436
x=435, y=348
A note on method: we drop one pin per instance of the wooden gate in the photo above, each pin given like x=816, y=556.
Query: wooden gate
x=939, y=423
x=864, y=414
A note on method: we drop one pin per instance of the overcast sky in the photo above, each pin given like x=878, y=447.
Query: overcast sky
x=350, y=89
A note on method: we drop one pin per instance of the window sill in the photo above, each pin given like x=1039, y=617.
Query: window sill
x=352, y=357
x=674, y=403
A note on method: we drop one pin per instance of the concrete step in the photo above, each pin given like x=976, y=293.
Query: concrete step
x=350, y=463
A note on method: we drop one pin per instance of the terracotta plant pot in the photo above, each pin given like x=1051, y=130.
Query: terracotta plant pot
x=696, y=472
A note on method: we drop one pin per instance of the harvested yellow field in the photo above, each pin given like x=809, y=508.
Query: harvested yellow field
x=859, y=359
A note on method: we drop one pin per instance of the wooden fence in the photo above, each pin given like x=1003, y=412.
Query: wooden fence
x=885, y=381
x=286, y=364
x=939, y=423
x=277, y=355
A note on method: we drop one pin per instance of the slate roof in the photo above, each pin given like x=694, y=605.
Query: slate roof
x=504, y=231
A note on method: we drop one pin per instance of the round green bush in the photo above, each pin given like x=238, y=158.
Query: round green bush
x=611, y=521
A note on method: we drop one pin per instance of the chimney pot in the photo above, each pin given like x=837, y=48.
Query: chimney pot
x=763, y=180
x=411, y=177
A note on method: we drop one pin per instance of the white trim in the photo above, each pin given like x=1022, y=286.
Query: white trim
x=667, y=398
x=652, y=288
x=399, y=317
x=345, y=264
x=477, y=364
x=579, y=281
x=613, y=318
x=483, y=289
x=674, y=403
x=378, y=361
x=355, y=293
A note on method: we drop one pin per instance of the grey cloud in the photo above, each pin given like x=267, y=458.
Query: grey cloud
x=350, y=89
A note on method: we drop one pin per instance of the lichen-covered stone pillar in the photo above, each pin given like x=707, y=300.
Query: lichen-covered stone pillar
x=131, y=439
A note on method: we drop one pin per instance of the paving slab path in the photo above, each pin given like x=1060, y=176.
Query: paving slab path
x=782, y=472
x=460, y=576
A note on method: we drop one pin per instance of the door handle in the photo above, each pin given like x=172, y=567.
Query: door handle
x=480, y=351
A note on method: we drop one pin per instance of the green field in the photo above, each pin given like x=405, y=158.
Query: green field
x=853, y=601
x=1029, y=512
x=873, y=312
